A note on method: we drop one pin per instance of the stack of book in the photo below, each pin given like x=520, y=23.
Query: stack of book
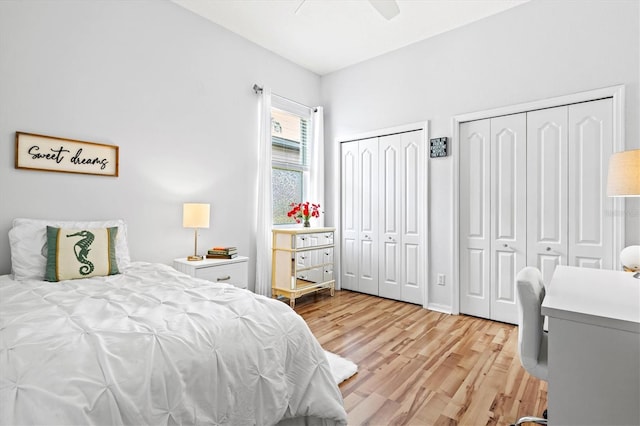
x=222, y=253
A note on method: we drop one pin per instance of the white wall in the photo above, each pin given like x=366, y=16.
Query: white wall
x=171, y=89
x=174, y=92
x=538, y=50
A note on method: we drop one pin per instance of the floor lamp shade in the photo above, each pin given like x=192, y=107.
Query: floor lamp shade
x=624, y=174
x=195, y=215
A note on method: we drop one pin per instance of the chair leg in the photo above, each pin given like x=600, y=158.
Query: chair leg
x=530, y=419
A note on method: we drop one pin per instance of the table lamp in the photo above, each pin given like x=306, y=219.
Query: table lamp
x=195, y=215
x=624, y=181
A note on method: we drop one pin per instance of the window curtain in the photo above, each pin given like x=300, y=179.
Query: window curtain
x=316, y=190
x=264, y=214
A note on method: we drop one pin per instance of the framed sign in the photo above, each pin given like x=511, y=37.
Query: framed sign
x=39, y=152
x=438, y=147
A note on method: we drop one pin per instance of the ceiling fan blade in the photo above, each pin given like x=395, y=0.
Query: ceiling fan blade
x=299, y=6
x=389, y=9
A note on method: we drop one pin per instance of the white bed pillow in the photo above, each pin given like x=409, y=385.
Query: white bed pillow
x=28, y=241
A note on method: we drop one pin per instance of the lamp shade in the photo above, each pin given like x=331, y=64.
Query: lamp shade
x=630, y=258
x=624, y=174
x=195, y=215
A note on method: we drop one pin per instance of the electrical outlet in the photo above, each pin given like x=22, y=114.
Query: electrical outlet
x=440, y=279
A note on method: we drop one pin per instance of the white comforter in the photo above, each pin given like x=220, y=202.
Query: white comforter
x=153, y=346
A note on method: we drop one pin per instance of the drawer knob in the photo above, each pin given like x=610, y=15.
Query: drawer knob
x=227, y=278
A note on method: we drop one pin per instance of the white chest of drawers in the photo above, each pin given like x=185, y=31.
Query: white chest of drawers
x=302, y=262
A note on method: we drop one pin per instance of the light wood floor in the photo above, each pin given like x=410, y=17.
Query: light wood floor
x=420, y=367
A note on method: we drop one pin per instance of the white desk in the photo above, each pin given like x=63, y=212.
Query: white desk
x=594, y=347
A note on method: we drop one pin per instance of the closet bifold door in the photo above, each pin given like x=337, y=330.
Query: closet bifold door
x=547, y=187
x=349, y=216
x=390, y=152
x=508, y=212
x=368, y=216
x=492, y=215
x=590, y=221
x=411, y=200
x=475, y=243
x=401, y=166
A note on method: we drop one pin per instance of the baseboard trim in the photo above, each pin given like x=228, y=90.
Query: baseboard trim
x=445, y=309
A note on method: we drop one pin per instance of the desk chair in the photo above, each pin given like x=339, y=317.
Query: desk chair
x=532, y=340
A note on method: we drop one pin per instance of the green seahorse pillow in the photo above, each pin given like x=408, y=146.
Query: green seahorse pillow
x=80, y=253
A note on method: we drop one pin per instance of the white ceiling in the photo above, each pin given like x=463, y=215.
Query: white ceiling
x=327, y=35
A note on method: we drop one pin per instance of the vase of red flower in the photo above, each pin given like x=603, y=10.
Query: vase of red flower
x=302, y=212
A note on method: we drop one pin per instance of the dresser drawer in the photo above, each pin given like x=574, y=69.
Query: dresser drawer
x=235, y=273
x=313, y=239
x=326, y=238
x=327, y=255
x=303, y=240
x=327, y=273
x=314, y=275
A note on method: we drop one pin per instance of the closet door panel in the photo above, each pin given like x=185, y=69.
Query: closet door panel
x=475, y=244
x=547, y=199
x=508, y=212
x=349, y=219
x=390, y=216
x=368, y=216
x=590, y=146
x=476, y=266
x=547, y=265
x=504, y=291
x=411, y=200
x=389, y=270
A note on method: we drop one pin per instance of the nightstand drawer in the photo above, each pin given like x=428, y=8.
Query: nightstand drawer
x=232, y=271
x=235, y=273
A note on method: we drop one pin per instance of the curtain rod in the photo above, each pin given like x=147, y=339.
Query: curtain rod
x=258, y=89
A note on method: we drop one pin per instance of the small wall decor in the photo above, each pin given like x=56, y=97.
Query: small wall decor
x=49, y=153
x=438, y=147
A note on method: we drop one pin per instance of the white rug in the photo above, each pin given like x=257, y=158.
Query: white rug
x=341, y=368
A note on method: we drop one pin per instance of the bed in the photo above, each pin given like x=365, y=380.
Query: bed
x=149, y=345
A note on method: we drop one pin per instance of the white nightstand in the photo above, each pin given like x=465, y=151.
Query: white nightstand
x=231, y=271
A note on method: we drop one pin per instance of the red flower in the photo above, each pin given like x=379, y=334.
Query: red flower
x=305, y=210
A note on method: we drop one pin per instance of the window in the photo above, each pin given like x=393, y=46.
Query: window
x=290, y=147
